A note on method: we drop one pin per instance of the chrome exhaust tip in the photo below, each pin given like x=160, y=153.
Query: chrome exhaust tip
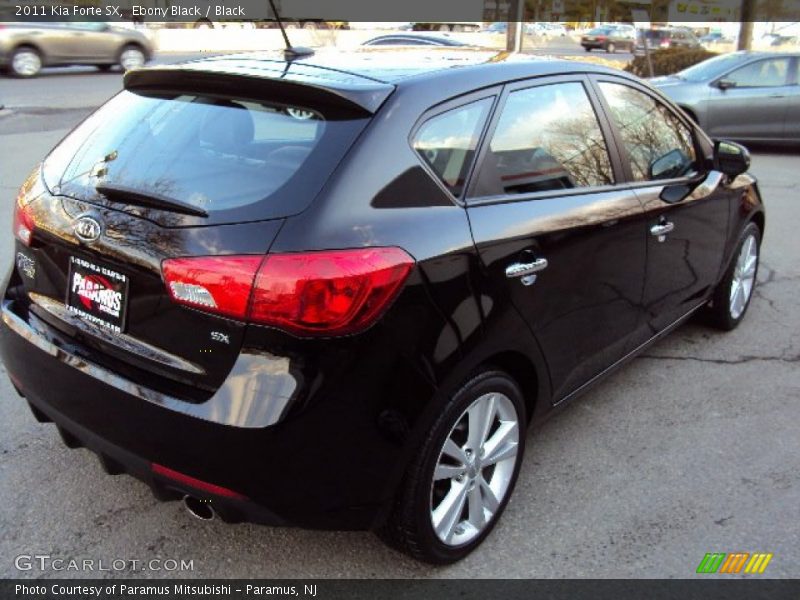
x=199, y=509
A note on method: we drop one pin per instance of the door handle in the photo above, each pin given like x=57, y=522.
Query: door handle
x=524, y=269
x=662, y=229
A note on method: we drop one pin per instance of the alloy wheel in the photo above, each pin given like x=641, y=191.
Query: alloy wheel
x=744, y=276
x=131, y=58
x=26, y=63
x=475, y=469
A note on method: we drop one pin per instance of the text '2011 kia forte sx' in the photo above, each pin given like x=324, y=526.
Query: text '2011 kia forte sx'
x=335, y=292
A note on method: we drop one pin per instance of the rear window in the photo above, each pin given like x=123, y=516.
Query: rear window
x=235, y=159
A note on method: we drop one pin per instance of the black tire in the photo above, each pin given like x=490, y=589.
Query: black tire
x=409, y=527
x=15, y=56
x=587, y=48
x=105, y=68
x=719, y=311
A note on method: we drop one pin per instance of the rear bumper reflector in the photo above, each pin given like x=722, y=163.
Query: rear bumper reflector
x=197, y=484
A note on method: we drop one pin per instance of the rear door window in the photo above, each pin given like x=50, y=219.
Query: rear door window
x=763, y=73
x=547, y=138
x=236, y=159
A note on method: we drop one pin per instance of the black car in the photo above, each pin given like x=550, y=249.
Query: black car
x=336, y=291
x=609, y=38
x=668, y=37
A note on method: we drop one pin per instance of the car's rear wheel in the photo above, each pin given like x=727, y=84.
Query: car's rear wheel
x=611, y=48
x=463, y=476
x=25, y=62
x=587, y=48
x=733, y=294
x=132, y=57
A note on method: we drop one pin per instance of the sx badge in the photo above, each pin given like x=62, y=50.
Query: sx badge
x=26, y=265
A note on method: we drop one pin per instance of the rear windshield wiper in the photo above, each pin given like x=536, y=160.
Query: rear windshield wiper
x=121, y=193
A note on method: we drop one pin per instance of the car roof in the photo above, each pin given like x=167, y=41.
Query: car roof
x=366, y=76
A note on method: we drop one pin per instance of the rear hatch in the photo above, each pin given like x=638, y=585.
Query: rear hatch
x=656, y=37
x=163, y=174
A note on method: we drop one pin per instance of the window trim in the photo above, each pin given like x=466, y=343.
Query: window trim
x=492, y=93
x=611, y=145
x=701, y=156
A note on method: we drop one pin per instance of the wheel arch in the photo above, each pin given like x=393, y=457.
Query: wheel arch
x=133, y=44
x=759, y=219
x=522, y=370
x=29, y=44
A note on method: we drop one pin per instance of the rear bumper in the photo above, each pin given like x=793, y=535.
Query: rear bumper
x=299, y=472
x=117, y=461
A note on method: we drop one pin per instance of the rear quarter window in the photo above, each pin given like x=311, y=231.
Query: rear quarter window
x=447, y=142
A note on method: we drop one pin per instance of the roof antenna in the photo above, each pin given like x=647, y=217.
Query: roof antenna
x=291, y=52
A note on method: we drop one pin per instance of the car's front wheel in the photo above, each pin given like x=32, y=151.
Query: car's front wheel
x=25, y=62
x=463, y=475
x=733, y=294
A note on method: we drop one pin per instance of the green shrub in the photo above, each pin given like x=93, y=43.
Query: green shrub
x=668, y=61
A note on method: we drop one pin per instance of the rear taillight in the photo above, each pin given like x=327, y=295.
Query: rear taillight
x=23, y=223
x=325, y=293
x=664, y=44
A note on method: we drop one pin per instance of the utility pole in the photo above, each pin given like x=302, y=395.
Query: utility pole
x=514, y=29
x=746, y=26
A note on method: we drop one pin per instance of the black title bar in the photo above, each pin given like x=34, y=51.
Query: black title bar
x=424, y=11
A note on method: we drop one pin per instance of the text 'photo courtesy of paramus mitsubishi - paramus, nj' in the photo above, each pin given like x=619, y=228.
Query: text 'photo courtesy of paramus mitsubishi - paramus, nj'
x=336, y=291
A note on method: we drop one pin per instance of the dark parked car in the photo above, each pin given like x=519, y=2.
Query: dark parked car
x=26, y=47
x=413, y=39
x=609, y=38
x=746, y=96
x=336, y=292
x=668, y=37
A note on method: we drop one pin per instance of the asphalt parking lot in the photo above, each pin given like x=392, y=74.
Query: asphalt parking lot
x=692, y=448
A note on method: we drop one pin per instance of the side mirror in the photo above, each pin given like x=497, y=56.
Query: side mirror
x=672, y=164
x=731, y=158
x=726, y=84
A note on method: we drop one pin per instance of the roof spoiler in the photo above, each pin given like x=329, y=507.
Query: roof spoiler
x=260, y=79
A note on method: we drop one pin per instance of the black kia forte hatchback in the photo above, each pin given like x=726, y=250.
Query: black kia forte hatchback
x=336, y=291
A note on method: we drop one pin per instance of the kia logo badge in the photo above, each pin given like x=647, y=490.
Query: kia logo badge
x=88, y=229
